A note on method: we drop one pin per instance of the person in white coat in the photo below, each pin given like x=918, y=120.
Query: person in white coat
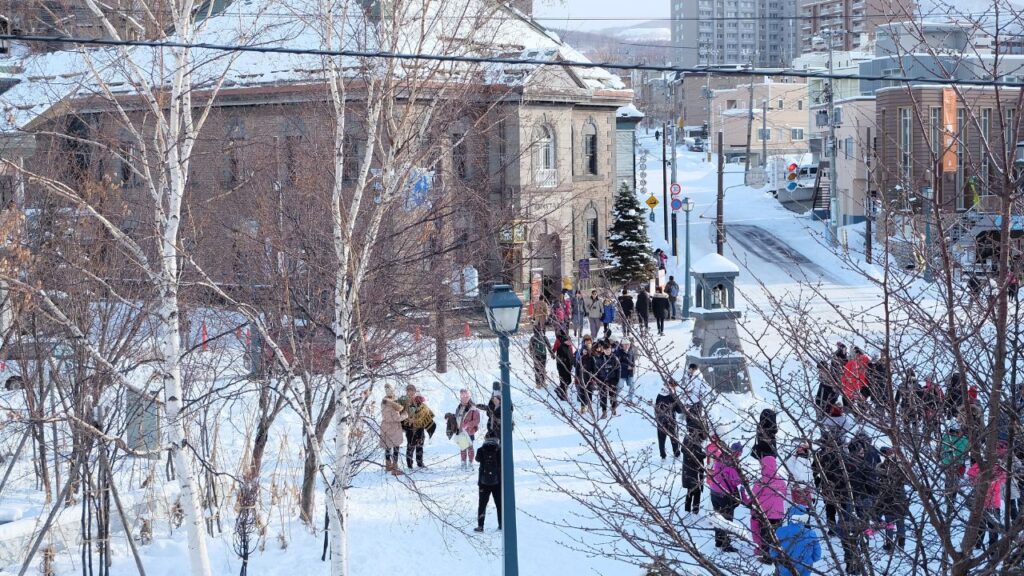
x=801, y=476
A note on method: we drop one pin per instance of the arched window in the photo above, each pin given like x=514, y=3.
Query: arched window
x=592, y=227
x=590, y=149
x=545, y=143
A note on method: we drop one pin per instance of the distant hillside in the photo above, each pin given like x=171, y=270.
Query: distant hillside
x=640, y=44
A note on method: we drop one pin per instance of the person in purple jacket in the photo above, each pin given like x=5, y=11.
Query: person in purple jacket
x=724, y=483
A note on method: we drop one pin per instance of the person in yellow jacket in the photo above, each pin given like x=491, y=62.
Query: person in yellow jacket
x=420, y=421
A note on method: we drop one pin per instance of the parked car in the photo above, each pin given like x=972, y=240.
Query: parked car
x=697, y=147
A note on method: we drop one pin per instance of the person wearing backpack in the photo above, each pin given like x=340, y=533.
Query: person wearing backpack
x=672, y=289
x=565, y=357
x=489, y=479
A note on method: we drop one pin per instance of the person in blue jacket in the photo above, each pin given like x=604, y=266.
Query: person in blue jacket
x=608, y=314
x=799, y=545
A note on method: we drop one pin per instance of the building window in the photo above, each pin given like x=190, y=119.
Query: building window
x=961, y=131
x=799, y=104
x=1011, y=131
x=935, y=130
x=905, y=145
x=781, y=103
x=986, y=127
x=590, y=149
x=459, y=164
x=545, y=173
x=796, y=134
x=848, y=146
x=593, y=233
x=764, y=133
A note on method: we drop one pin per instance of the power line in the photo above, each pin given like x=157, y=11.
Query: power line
x=750, y=71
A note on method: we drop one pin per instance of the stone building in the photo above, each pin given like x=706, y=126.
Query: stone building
x=535, y=153
x=780, y=107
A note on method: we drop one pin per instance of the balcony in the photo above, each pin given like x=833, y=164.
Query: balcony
x=546, y=178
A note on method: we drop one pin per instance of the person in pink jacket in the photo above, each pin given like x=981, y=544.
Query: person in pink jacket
x=468, y=418
x=767, y=504
x=724, y=482
x=991, y=520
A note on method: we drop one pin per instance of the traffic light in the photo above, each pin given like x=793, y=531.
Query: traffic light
x=704, y=131
x=791, y=176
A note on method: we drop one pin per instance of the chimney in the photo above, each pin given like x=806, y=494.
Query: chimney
x=524, y=6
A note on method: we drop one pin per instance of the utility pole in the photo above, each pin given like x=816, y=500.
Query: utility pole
x=750, y=121
x=675, y=248
x=870, y=212
x=720, y=216
x=764, y=132
x=833, y=147
x=664, y=175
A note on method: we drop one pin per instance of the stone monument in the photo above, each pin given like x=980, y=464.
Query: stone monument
x=716, y=346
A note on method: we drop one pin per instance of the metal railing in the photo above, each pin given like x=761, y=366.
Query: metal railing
x=546, y=178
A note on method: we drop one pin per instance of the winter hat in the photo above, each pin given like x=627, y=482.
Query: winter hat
x=972, y=393
x=420, y=399
x=835, y=411
x=737, y=448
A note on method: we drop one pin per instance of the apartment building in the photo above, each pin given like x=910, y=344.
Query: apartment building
x=726, y=32
x=779, y=123
x=856, y=19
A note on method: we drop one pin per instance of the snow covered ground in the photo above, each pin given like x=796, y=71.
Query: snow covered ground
x=393, y=531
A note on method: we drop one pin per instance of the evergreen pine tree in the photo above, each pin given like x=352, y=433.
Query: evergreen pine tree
x=630, y=248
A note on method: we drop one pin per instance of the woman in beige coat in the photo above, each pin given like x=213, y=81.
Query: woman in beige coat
x=391, y=433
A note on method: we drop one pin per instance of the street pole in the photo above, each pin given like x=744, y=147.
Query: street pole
x=928, y=192
x=720, y=216
x=664, y=175
x=750, y=122
x=870, y=205
x=675, y=247
x=686, y=270
x=707, y=90
x=508, y=479
x=764, y=132
x=833, y=147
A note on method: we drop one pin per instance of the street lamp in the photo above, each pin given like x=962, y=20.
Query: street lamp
x=688, y=205
x=928, y=193
x=503, y=310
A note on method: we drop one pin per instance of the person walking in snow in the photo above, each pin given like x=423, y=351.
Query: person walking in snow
x=606, y=371
x=585, y=373
x=672, y=290
x=595, y=310
x=489, y=479
x=801, y=476
x=541, y=311
x=626, y=305
x=952, y=457
x=667, y=407
x=799, y=544
x=767, y=430
x=893, y=505
x=391, y=434
x=837, y=423
x=467, y=417
x=565, y=359
x=660, y=306
x=693, y=469
x=627, y=368
x=696, y=390
x=767, y=507
x=828, y=386
x=539, y=351
x=855, y=377
x=838, y=363
x=643, y=309
x=724, y=484
x=579, y=314
x=421, y=419
x=831, y=480
x=993, y=490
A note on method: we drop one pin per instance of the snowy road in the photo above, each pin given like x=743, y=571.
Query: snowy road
x=765, y=245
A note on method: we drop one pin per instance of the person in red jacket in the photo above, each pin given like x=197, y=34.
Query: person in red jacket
x=855, y=376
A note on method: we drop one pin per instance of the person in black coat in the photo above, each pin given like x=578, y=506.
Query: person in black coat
x=893, y=503
x=828, y=386
x=666, y=408
x=643, y=308
x=626, y=305
x=585, y=374
x=606, y=372
x=693, y=469
x=830, y=480
x=955, y=392
x=489, y=479
x=838, y=362
x=565, y=358
x=660, y=307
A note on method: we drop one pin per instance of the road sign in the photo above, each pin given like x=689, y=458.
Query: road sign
x=652, y=202
x=791, y=185
x=651, y=216
x=756, y=178
x=677, y=204
x=675, y=188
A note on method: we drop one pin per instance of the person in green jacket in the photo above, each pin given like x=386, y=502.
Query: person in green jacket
x=539, y=350
x=952, y=454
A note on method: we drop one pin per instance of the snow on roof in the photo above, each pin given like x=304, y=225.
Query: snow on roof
x=480, y=28
x=629, y=111
x=714, y=264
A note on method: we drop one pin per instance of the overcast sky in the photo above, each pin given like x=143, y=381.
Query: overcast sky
x=597, y=14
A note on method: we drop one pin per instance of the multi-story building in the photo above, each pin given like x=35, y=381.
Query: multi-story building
x=774, y=112
x=853, y=21
x=541, y=150
x=728, y=32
